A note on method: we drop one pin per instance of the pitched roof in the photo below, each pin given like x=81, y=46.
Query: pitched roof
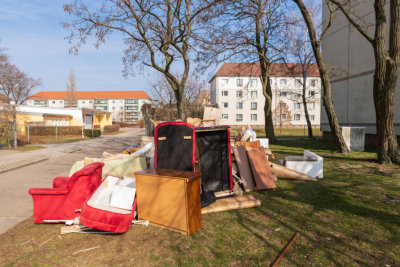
x=92, y=95
x=253, y=69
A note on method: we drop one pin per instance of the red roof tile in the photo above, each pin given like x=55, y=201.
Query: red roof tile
x=253, y=69
x=92, y=95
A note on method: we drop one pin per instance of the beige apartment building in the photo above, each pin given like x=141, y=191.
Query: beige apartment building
x=124, y=106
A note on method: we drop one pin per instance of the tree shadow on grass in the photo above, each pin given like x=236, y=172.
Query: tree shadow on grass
x=325, y=202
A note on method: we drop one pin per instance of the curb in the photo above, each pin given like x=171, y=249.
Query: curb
x=20, y=164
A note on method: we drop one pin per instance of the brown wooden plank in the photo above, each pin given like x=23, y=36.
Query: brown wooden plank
x=243, y=164
x=261, y=169
x=232, y=203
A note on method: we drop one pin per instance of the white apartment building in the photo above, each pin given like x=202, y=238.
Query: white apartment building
x=124, y=105
x=236, y=89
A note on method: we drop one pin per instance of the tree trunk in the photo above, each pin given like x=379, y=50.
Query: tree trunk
x=385, y=82
x=269, y=125
x=180, y=103
x=327, y=94
x=310, y=134
x=15, y=127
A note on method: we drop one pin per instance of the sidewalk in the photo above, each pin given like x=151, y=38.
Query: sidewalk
x=12, y=159
x=15, y=202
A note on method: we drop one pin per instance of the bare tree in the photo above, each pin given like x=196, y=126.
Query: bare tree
x=315, y=40
x=163, y=95
x=158, y=34
x=386, y=45
x=282, y=116
x=17, y=87
x=301, y=50
x=249, y=31
x=70, y=100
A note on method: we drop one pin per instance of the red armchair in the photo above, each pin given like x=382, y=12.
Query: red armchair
x=67, y=195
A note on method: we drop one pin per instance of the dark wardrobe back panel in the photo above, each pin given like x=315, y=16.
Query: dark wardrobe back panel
x=174, y=146
x=213, y=149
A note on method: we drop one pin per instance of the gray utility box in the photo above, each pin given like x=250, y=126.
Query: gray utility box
x=354, y=137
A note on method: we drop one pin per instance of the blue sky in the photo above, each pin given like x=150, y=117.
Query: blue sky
x=30, y=30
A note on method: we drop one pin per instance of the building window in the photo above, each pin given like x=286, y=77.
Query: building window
x=283, y=93
x=253, y=105
x=239, y=94
x=297, y=82
x=121, y=107
x=312, y=117
x=296, y=105
x=312, y=82
x=270, y=81
x=113, y=101
x=239, y=105
x=83, y=102
x=61, y=101
x=239, y=82
x=311, y=93
x=225, y=104
x=296, y=95
x=224, y=81
x=296, y=117
x=283, y=117
x=282, y=81
x=253, y=82
x=253, y=117
x=90, y=101
x=113, y=108
x=239, y=117
x=53, y=102
x=224, y=116
x=253, y=94
x=311, y=106
x=224, y=93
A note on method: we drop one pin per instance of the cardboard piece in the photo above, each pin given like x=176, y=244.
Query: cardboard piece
x=232, y=203
x=254, y=144
x=261, y=169
x=243, y=164
x=122, y=197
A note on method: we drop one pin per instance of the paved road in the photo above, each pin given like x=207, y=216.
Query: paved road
x=16, y=203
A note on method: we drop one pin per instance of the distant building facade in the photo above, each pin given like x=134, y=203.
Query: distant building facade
x=236, y=89
x=124, y=106
x=352, y=56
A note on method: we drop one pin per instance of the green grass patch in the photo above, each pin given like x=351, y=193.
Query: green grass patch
x=343, y=219
x=286, y=133
x=29, y=148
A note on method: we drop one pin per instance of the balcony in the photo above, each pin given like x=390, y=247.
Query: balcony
x=130, y=102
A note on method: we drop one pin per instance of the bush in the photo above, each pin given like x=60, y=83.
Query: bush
x=51, y=130
x=111, y=128
x=88, y=133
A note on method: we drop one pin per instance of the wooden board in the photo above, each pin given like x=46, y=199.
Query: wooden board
x=288, y=174
x=261, y=169
x=243, y=164
x=232, y=203
x=254, y=144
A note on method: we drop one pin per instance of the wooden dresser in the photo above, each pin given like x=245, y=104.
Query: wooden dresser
x=169, y=198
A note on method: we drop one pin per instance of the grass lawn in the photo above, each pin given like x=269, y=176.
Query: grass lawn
x=29, y=148
x=53, y=140
x=343, y=219
x=286, y=133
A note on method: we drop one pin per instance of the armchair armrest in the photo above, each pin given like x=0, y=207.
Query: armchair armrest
x=48, y=191
x=60, y=182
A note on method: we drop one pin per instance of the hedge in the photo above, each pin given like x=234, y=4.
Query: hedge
x=88, y=133
x=111, y=128
x=51, y=130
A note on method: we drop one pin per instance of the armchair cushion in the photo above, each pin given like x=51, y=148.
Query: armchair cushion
x=61, y=202
x=60, y=182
